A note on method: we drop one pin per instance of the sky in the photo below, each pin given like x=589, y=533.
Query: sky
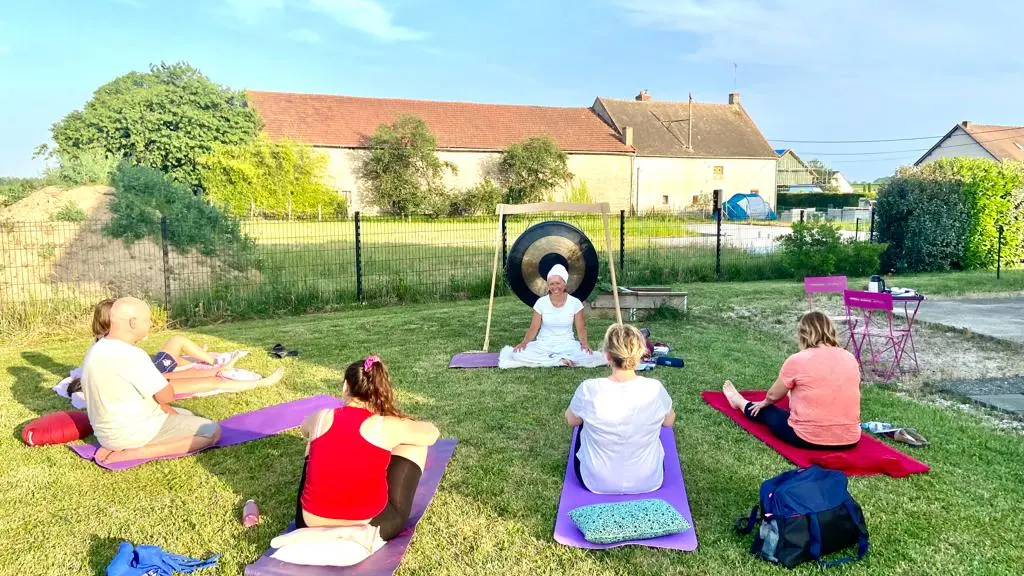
x=814, y=75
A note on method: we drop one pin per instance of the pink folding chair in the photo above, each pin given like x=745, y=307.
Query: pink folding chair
x=829, y=285
x=874, y=312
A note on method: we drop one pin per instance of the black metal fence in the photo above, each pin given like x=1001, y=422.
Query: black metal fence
x=53, y=269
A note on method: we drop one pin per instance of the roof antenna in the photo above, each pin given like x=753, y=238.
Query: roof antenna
x=734, y=67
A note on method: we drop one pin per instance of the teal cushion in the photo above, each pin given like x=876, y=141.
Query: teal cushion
x=632, y=520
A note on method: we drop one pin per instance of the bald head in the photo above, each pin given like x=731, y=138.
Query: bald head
x=130, y=320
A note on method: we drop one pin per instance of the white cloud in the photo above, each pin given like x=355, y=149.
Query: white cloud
x=839, y=36
x=366, y=16
x=304, y=35
x=251, y=11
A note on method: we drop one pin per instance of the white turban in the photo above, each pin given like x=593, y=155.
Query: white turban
x=560, y=271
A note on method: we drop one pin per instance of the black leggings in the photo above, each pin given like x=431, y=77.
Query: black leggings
x=403, y=478
x=777, y=421
x=576, y=456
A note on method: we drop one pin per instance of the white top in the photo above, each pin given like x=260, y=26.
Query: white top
x=119, y=381
x=557, y=324
x=621, y=452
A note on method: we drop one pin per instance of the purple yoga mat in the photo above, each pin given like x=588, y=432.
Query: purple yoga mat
x=239, y=428
x=672, y=491
x=386, y=560
x=474, y=360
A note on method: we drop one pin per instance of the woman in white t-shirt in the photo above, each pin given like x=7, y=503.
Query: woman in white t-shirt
x=618, y=448
x=554, y=317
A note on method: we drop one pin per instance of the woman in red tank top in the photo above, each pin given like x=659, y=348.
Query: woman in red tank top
x=364, y=460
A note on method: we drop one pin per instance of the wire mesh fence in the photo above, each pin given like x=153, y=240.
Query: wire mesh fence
x=53, y=269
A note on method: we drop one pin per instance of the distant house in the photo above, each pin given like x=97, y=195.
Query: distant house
x=685, y=151
x=791, y=171
x=839, y=183
x=968, y=139
x=469, y=135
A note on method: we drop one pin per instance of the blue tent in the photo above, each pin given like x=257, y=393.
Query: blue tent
x=748, y=207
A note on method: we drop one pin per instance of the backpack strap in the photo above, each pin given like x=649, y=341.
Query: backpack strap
x=750, y=521
x=814, y=531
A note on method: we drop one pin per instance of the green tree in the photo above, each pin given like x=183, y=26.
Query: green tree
x=822, y=175
x=401, y=170
x=165, y=119
x=530, y=169
x=270, y=178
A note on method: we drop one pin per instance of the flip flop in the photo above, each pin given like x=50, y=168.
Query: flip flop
x=910, y=437
x=277, y=350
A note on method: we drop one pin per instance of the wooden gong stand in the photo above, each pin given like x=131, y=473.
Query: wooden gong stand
x=503, y=209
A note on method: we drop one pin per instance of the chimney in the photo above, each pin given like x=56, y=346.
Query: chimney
x=734, y=98
x=965, y=124
x=627, y=135
x=643, y=96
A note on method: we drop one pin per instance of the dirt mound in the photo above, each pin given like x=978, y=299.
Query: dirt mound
x=45, y=259
x=43, y=204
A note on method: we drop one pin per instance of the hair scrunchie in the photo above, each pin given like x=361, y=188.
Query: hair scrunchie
x=369, y=362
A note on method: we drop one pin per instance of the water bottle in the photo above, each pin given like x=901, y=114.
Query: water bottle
x=250, y=514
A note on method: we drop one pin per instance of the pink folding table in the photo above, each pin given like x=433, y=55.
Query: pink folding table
x=876, y=321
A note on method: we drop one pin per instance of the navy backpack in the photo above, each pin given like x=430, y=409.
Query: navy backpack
x=806, y=514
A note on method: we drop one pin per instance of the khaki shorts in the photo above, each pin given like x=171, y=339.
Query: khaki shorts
x=184, y=425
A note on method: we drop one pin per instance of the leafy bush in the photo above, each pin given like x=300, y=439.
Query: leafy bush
x=945, y=215
x=816, y=249
x=579, y=193
x=81, y=167
x=165, y=118
x=143, y=195
x=70, y=212
x=820, y=201
x=482, y=198
x=528, y=170
x=14, y=189
x=270, y=178
x=402, y=172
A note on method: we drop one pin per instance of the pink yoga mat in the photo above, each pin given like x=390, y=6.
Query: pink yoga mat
x=474, y=360
x=386, y=560
x=239, y=428
x=672, y=490
x=870, y=457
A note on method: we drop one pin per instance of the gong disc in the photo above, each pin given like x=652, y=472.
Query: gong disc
x=542, y=246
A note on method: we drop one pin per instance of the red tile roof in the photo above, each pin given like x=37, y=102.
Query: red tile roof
x=1003, y=142
x=346, y=121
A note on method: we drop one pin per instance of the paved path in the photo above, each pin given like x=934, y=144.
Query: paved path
x=1001, y=318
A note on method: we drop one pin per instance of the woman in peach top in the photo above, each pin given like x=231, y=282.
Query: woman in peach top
x=823, y=383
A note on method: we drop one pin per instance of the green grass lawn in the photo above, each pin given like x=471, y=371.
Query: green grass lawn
x=495, y=510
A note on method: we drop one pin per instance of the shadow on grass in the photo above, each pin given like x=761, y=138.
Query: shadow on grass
x=58, y=369
x=101, y=552
x=30, y=390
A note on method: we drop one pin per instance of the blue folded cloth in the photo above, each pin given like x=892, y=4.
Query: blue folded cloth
x=153, y=561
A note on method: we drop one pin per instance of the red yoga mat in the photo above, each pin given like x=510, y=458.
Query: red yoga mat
x=870, y=457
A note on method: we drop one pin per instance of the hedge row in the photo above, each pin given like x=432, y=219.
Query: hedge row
x=821, y=201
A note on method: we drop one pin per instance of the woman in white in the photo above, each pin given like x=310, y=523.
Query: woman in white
x=618, y=448
x=554, y=316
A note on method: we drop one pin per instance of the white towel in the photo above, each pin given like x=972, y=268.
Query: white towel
x=337, y=546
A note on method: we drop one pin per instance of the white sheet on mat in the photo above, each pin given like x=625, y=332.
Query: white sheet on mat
x=338, y=546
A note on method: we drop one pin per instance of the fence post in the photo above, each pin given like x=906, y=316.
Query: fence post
x=871, y=229
x=622, y=243
x=504, y=241
x=999, y=251
x=359, y=261
x=856, y=230
x=718, y=234
x=801, y=215
x=164, y=248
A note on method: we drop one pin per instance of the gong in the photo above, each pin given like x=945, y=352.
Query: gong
x=542, y=246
